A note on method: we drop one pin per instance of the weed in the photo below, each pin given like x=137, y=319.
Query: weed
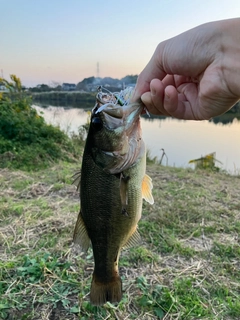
x=45, y=277
x=26, y=141
x=186, y=266
x=153, y=298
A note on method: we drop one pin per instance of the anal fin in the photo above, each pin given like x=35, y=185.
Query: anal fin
x=134, y=240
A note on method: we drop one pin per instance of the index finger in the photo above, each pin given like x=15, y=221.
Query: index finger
x=153, y=70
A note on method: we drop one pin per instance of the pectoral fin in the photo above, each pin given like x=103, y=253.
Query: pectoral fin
x=124, y=192
x=147, y=189
x=80, y=235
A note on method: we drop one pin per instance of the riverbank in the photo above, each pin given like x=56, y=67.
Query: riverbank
x=76, y=99
x=186, y=267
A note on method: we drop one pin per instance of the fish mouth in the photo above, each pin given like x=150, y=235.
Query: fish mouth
x=133, y=110
x=126, y=116
x=116, y=105
x=114, y=115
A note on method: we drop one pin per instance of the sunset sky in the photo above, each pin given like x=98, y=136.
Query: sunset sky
x=55, y=41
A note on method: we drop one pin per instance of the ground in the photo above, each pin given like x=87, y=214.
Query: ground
x=187, y=265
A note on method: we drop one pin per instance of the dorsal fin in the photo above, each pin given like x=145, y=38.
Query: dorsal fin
x=147, y=189
x=80, y=235
x=77, y=180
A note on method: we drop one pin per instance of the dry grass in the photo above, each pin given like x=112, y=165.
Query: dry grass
x=187, y=266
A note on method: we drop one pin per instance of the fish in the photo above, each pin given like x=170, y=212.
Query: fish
x=112, y=186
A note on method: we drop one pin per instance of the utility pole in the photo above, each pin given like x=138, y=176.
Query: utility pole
x=97, y=69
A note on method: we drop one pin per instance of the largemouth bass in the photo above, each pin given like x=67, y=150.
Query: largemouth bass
x=113, y=184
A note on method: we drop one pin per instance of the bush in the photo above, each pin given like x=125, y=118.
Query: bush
x=26, y=141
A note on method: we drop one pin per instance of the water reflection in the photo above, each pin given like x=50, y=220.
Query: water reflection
x=185, y=140
x=181, y=140
x=68, y=119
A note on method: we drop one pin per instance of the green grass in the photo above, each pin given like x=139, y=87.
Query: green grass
x=186, y=266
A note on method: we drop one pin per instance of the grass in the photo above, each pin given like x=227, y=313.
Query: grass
x=186, y=267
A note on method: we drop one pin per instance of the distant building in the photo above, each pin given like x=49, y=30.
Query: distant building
x=92, y=87
x=3, y=88
x=68, y=86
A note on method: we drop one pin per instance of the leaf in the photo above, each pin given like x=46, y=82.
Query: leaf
x=3, y=306
x=65, y=302
x=159, y=312
x=75, y=309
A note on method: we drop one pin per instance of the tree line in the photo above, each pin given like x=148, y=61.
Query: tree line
x=90, y=84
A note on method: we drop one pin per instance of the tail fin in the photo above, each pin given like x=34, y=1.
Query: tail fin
x=103, y=292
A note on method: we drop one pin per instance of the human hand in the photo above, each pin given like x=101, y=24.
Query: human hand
x=195, y=75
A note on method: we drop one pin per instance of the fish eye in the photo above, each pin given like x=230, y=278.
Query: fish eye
x=97, y=123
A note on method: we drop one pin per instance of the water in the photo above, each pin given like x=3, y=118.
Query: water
x=181, y=140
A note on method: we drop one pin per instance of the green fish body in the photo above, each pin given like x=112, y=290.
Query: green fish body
x=113, y=184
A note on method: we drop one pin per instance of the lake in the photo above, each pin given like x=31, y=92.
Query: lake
x=181, y=140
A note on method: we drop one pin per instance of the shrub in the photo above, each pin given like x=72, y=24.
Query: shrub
x=26, y=140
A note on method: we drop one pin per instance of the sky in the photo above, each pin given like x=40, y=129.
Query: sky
x=56, y=41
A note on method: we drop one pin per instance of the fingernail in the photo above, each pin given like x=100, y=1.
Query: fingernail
x=153, y=92
x=167, y=96
x=146, y=98
x=133, y=97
